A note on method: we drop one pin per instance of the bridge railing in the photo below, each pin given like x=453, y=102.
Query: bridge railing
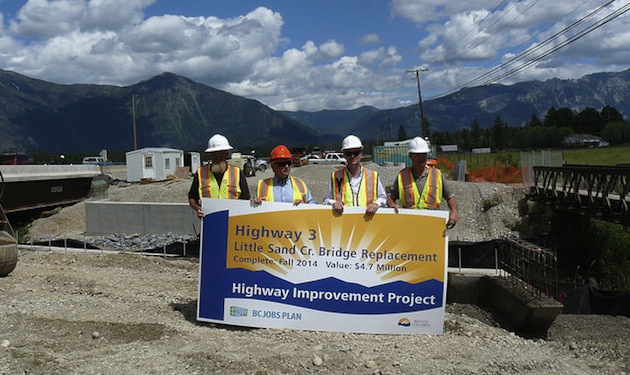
x=534, y=268
x=602, y=189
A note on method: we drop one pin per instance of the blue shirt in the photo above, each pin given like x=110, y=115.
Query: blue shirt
x=283, y=191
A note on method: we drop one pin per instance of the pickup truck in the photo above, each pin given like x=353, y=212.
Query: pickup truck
x=98, y=160
x=329, y=158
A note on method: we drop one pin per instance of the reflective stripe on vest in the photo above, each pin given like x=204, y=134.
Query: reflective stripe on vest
x=368, y=188
x=230, y=187
x=431, y=194
x=265, y=189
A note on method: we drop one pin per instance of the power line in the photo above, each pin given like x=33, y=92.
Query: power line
x=550, y=39
x=473, y=28
x=514, y=19
x=533, y=49
x=583, y=33
x=474, y=45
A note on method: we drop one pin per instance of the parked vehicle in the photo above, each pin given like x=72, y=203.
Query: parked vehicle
x=297, y=153
x=307, y=159
x=8, y=240
x=15, y=158
x=98, y=160
x=329, y=158
x=262, y=164
x=246, y=162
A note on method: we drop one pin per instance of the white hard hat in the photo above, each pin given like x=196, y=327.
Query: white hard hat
x=418, y=146
x=218, y=143
x=350, y=142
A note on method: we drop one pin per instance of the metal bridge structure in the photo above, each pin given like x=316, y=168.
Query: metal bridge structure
x=600, y=192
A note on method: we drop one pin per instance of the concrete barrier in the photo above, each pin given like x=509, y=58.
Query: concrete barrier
x=105, y=217
x=531, y=317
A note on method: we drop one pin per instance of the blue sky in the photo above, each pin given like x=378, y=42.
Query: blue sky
x=314, y=55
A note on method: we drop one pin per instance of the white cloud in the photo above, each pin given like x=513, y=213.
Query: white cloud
x=331, y=49
x=209, y=50
x=423, y=11
x=51, y=18
x=370, y=39
x=43, y=18
x=381, y=56
x=112, y=42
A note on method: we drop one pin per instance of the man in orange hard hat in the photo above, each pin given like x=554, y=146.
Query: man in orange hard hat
x=218, y=179
x=282, y=187
x=422, y=186
x=355, y=185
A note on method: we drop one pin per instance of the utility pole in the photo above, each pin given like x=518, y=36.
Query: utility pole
x=423, y=125
x=133, y=114
x=389, y=122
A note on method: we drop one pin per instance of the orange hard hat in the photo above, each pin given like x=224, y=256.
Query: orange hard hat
x=280, y=152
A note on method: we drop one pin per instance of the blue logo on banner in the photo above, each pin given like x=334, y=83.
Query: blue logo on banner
x=238, y=311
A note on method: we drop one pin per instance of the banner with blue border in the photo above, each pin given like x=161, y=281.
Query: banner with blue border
x=281, y=266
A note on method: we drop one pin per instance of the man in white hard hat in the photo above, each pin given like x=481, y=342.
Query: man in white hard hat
x=355, y=185
x=422, y=186
x=217, y=179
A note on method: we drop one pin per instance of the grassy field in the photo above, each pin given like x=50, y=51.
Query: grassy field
x=598, y=156
x=592, y=156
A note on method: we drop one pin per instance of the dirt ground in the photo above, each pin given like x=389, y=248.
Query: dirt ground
x=92, y=313
x=76, y=312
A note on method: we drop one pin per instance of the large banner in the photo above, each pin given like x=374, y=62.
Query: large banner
x=280, y=266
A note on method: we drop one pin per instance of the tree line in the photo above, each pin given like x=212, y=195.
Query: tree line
x=548, y=133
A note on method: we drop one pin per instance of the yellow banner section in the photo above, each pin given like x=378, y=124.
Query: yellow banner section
x=384, y=248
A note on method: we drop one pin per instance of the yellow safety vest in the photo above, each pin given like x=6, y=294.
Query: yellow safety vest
x=368, y=189
x=230, y=187
x=265, y=189
x=431, y=194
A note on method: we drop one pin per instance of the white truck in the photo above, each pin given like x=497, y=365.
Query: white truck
x=329, y=158
x=246, y=162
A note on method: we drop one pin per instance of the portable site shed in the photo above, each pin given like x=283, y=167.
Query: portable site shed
x=153, y=163
x=192, y=160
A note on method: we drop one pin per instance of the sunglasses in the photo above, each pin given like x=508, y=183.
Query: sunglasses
x=352, y=153
x=282, y=163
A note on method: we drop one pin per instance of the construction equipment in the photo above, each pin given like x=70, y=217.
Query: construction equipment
x=8, y=242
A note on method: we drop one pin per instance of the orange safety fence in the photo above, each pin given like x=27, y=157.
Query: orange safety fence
x=506, y=174
x=496, y=172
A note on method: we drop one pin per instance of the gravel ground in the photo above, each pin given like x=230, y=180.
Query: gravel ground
x=110, y=313
x=93, y=313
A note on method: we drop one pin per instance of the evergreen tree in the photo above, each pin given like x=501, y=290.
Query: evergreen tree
x=567, y=118
x=498, y=134
x=476, y=134
x=464, y=140
x=616, y=132
x=534, y=121
x=551, y=118
x=589, y=121
x=610, y=114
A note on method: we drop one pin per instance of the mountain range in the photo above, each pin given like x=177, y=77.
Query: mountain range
x=173, y=111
